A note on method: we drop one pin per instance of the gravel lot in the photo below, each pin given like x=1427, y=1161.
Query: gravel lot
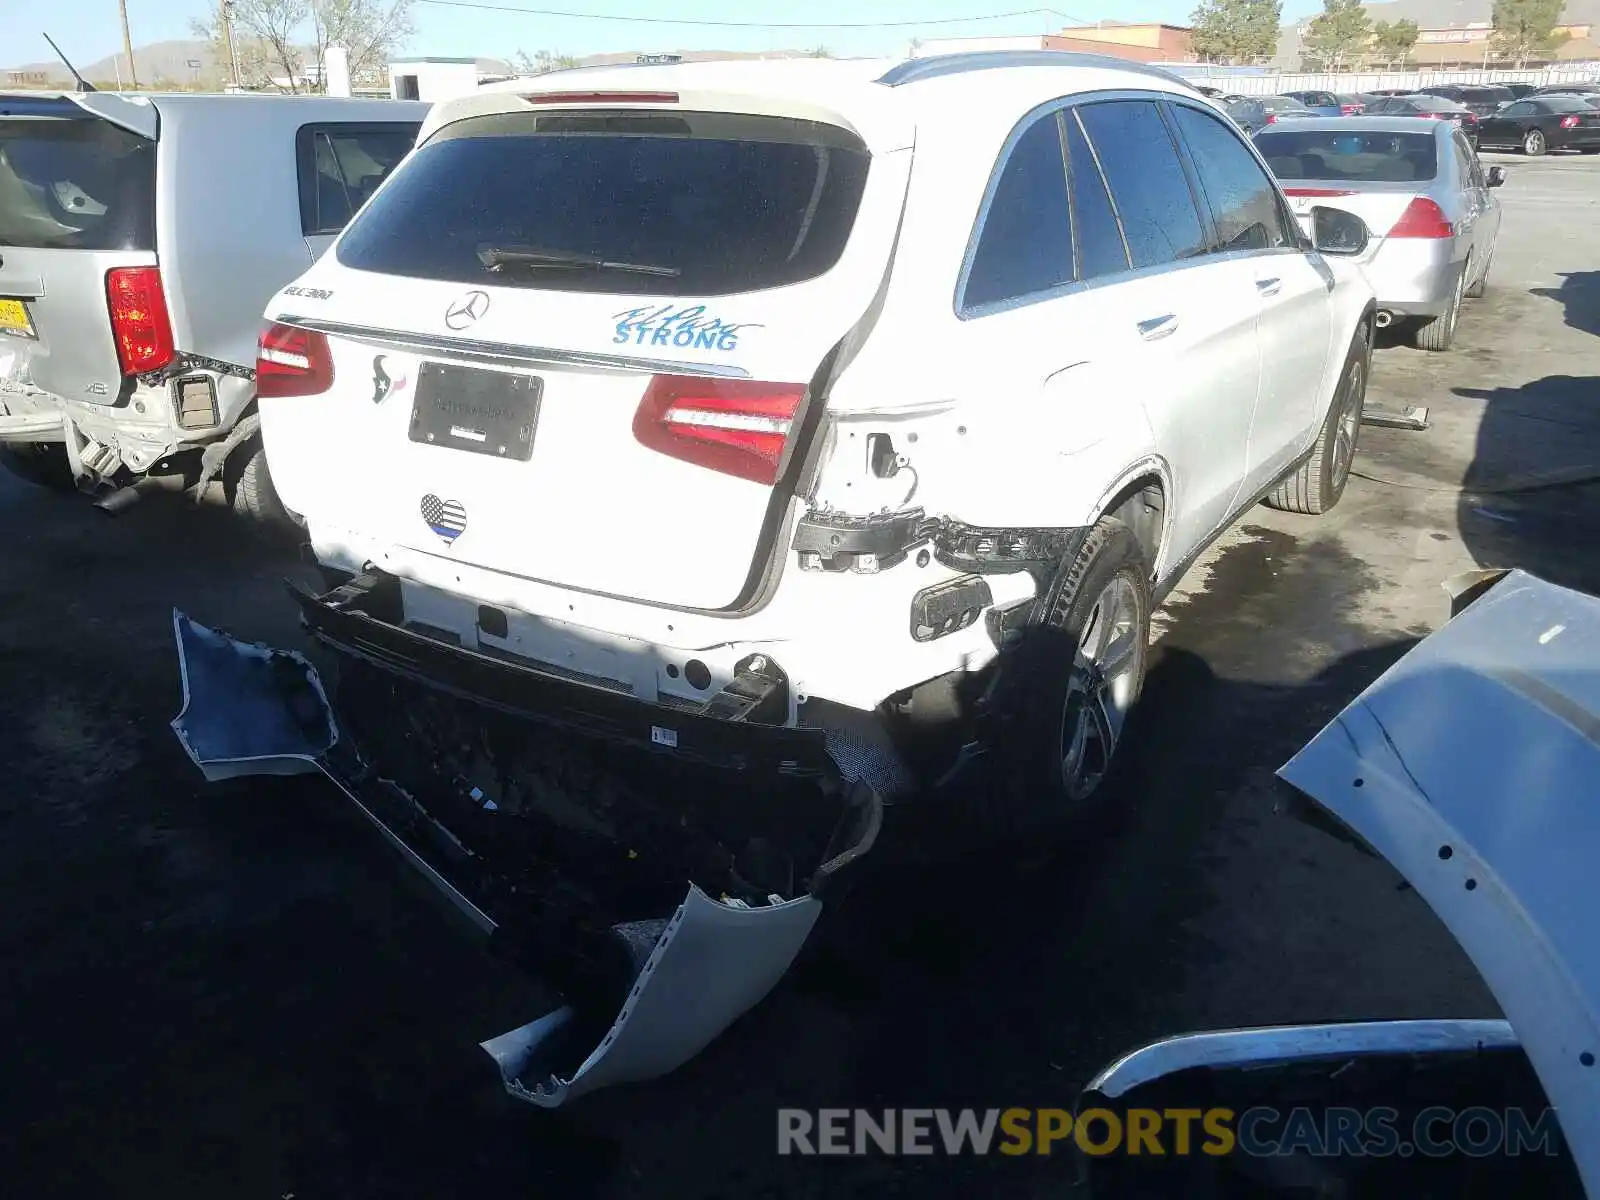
x=224, y=991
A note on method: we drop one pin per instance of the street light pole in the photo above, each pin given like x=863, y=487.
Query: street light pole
x=227, y=33
x=127, y=44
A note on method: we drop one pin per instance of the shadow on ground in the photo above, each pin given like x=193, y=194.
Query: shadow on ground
x=1580, y=294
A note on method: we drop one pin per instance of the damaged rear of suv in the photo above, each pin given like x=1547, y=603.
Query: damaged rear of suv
x=807, y=423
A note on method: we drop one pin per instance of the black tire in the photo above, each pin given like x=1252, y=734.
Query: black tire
x=1476, y=289
x=248, y=481
x=1316, y=485
x=43, y=464
x=1439, y=334
x=1046, y=693
x=1534, y=143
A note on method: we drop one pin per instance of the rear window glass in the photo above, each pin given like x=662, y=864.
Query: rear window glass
x=635, y=202
x=77, y=183
x=1565, y=103
x=1370, y=156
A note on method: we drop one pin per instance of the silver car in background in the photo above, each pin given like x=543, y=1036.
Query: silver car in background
x=1423, y=193
x=140, y=239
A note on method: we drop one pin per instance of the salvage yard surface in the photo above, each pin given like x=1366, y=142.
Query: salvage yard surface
x=228, y=991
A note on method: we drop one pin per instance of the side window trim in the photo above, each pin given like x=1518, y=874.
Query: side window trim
x=1049, y=110
x=1071, y=113
x=1202, y=201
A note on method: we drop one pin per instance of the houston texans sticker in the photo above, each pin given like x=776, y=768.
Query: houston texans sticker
x=384, y=384
x=447, y=518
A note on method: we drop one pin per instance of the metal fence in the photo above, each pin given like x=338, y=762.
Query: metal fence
x=1247, y=82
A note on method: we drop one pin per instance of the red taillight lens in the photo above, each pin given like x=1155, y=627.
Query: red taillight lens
x=735, y=426
x=292, y=362
x=1272, y=118
x=1350, y=110
x=139, y=323
x=1569, y=122
x=1422, y=219
x=1300, y=191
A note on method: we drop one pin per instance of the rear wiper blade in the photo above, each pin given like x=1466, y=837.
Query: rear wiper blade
x=497, y=258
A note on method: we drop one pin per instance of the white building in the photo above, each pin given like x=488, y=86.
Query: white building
x=434, y=79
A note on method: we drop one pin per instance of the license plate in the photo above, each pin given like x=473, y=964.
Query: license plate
x=481, y=412
x=14, y=319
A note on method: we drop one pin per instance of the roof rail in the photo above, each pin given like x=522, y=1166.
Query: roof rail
x=935, y=65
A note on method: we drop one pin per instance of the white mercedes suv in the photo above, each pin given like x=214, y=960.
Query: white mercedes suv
x=758, y=410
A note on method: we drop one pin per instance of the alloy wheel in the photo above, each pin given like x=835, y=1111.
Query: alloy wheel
x=1349, y=421
x=1105, y=674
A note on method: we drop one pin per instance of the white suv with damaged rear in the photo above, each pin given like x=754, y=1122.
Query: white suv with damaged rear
x=719, y=406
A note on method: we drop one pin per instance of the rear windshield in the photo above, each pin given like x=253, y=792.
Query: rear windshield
x=636, y=202
x=75, y=182
x=1372, y=157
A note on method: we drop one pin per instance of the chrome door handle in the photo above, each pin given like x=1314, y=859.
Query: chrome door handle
x=1153, y=329
x=1269, y=287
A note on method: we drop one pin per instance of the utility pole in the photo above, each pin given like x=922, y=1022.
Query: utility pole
x=127, y=44
x=227, y=33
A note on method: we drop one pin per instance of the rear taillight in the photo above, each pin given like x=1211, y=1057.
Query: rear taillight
x=1422, y=219
x=1351, y=110
x=139, y=322
x=735, y=426
x=1324, y=192
x=1569, y=122
x=1272, y=119
x=292, y=362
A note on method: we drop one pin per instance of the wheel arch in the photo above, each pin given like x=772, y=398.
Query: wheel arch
x=1141, y=498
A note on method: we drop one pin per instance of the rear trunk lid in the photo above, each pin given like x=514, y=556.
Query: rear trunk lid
x=77, y=200
x=601, y=329
x=1380, y=205
x=1373, y=173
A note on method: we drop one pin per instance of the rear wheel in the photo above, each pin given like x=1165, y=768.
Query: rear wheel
x=249, y=484
x=1440, y=333
x=1069, y=687
x=41, y=463
x=1533, y=143
x=1317, y=484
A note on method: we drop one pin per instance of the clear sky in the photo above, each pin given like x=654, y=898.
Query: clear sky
x=87, y=29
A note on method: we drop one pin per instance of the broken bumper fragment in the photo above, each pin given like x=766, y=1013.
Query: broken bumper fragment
x=659, y=918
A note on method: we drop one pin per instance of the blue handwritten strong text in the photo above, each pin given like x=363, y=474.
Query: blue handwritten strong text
x=683, y=328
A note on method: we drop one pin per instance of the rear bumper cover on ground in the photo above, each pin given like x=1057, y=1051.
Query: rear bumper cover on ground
x=252, y=710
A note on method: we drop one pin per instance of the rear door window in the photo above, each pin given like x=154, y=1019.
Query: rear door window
x=1025, y=245
x=341, y=165
x=653, y=203
x=74, y=181
x=1148, y=185
x=1244, y=200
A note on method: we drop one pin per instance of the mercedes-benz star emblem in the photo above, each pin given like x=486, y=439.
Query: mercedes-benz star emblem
x=466, y=310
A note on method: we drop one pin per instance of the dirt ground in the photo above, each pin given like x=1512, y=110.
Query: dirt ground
x=229, y=991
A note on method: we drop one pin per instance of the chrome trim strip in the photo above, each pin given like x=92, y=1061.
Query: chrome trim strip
x=504, y=354
x=1296, y=1043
